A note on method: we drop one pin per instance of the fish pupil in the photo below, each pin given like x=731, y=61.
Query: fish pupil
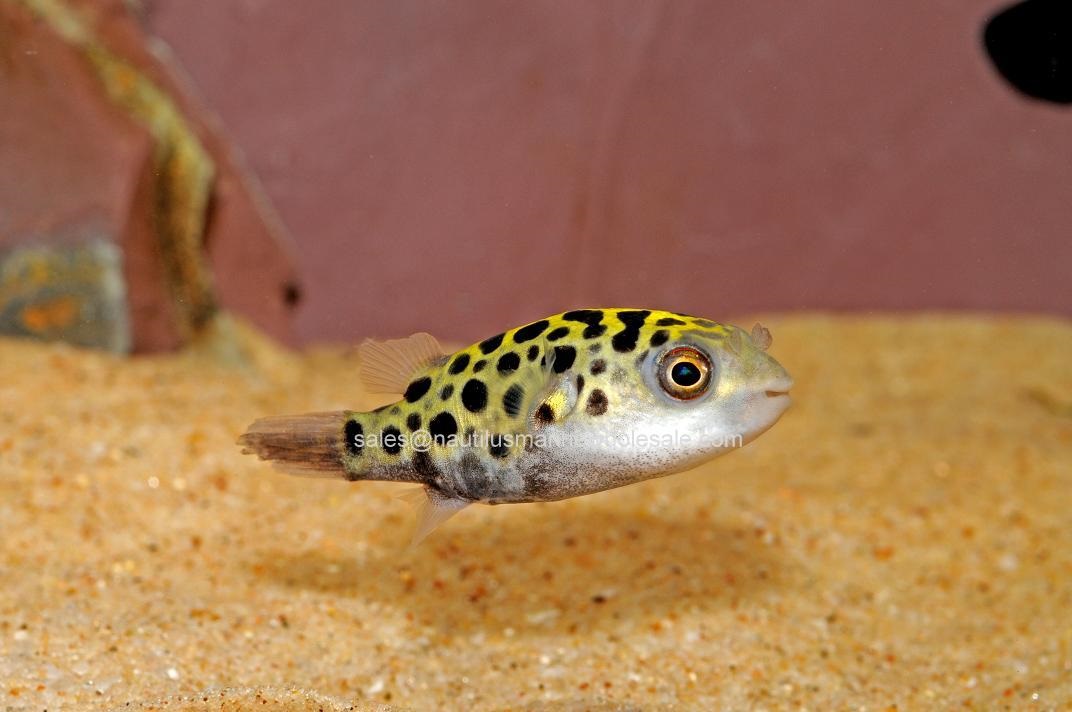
x=685, y=374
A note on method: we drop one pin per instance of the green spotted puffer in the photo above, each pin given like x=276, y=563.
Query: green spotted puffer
x=565, y=406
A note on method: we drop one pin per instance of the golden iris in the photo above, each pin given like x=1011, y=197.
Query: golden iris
x=684, y=372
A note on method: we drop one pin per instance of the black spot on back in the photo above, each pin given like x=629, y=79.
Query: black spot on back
x=497, y=445
x=634, y=318
x=512, y=399
x=489, y=345
x=443, y=427
x=597, y=403
x=580, y=384
x=564, y=358
x=558, y=333
x=598, y=366
x=534, y=351
x=474, y=395
x=479, y=366
x=625, y=340
x=595, y=348
x=669, y=321
x=660, y=337
x=458, y=365
x=392, y=441
x=447, y=391
x=591, y=318
x=416, y=390
x=508, y=363
x=594, y=330
x=413, y=421
x=544, y=414
x=585, y=316
x=352, y=432
x=527, y=333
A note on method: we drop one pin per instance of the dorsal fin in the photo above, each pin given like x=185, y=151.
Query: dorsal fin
x=761, y=337
x=389, y=366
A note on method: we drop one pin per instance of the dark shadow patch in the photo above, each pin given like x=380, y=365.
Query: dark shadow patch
x=425, y=467
x=1030, y=45
x=473, y=475
x=638, y=557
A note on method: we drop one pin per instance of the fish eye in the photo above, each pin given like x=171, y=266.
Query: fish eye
x=684, y=372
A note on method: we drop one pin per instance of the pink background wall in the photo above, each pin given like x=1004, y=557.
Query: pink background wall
x=460, y=167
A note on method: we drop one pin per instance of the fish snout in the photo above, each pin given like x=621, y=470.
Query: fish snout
x=778, y=387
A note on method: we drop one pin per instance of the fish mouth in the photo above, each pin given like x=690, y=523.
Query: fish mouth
x=779, y=389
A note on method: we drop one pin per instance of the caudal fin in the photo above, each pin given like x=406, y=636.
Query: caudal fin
x=309, y=445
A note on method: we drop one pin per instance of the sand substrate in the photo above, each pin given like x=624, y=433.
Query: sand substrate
x=902, y=539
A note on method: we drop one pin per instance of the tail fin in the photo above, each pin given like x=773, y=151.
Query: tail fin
x=309, y=445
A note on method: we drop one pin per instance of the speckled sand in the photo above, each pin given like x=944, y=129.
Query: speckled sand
x=901, y=540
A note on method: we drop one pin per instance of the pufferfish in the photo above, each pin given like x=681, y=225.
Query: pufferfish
x=576, y=403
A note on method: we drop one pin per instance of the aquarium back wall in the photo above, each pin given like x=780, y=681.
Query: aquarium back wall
x=461, y=167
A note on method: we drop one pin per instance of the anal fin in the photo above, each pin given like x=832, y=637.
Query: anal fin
x=432, y=510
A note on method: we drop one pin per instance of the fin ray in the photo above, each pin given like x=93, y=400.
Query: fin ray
x=432, y=511
x=389, y=366
x=306, y=445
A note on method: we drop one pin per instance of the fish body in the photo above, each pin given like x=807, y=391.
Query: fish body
x=576, y=403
